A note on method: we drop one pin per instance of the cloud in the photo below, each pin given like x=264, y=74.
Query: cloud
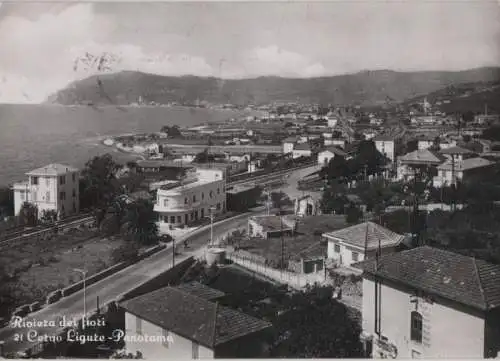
x=37, y=57
x=272, y=60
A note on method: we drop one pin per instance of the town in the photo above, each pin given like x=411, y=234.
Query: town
x=307, y=231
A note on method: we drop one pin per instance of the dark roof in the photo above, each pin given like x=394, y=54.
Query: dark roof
x=455, y=150
x=200, y=290
x=193, y=317
x=463, y=279
x=383, y=137
x=303, y=146
x=423, y=156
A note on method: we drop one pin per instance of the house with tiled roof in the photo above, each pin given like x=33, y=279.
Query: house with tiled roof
x=302, y=150
x=424, y=158
x=430, y=303
x=361, y=241
x=453, y=171
x=327, y=154
x=54, y=187
x=186, y=322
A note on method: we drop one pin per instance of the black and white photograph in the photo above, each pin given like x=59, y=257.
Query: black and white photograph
x=250, y=179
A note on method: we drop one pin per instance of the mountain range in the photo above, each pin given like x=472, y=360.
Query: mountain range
x=365, y=88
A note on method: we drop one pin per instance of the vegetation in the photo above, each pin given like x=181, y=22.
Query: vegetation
x=6, y=201
x=48, y=216
x=28, y=215
x=172, y=131
x=204, y=157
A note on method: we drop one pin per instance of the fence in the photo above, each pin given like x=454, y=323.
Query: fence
x=294, y=280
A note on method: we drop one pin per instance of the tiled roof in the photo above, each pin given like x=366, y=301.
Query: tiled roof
x=455, y=150
x=303, y=146
x=193, y=317
x=422, y=156
x=200, y=290
x=53, y=169
x=366, y=235
x=466, y=164
x=383, y=137
x=335, y=150
x=453, y=276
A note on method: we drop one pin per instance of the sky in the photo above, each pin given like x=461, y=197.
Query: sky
x=40, y=41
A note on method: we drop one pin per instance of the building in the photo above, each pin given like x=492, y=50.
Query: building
x=425, y=143
x=192, y=198
x=336, y=142
x=302, y=150
x=186, y=322
x=386, y=146
x=326, y=155
x=457, y=153
x=431, y=303
x=461, y=170
x=306, y=206
x=309, y=260
x=361, y=241
x=419, y=158
x=289, y=144
x=271, y=226
x=242, y=197
x=53, y=187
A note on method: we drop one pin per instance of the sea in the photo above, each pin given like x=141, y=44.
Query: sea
x=32, y=136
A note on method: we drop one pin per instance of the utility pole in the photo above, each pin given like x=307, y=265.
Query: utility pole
x=211, y=226
x=282, y=242
x=173, y=251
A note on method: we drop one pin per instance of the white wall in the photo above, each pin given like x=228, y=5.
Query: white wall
x=179, y=348
x=288, y=147
x=345, y=256
x=447, y=332
x=385, y=148
x=325, y=157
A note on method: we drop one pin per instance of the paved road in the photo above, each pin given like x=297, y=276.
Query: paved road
x=112, y=287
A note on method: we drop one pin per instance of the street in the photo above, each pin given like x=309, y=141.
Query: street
x=109, y=289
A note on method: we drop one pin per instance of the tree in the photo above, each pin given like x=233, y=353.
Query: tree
x=316, y=327
x=333, y=201
x=127, y=252
x=337, y=169
x=204, y=157
x=172, y=131
x=280, y=200
x=6, y=201
x=48, y=216
x=140, y=223
x=353, y=214
x=99, y=185
x=367, y=159
x=28, y=215
x=492, y=133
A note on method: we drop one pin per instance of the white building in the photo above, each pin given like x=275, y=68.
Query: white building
x=289, y=144
x=359, y=242
x=449, y=173
x=191, y=198
x=430, y=303
x=53, y=187
x=325, y=156
x=385, y=145
x=301, y=150
x=337, y=142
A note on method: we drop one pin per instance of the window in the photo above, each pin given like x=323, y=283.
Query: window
x=47, y=197
x=62, y=196
x=34, y=181
x=195, y=347
x=416, y=327
x=62, y=179
x=21, y=193
x=203, y=196
x=211, y=194
x=179, y=219
x=194, y=198
x=74, y=192
x=47, y=181
x=218, y=206
x=218, y=190
x=73, y=176
x=336, y=248
x=138, y=326
x=355, y=256
x=172, y=219
x=185, y=200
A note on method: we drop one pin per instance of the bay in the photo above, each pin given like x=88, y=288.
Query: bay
x=32, y=136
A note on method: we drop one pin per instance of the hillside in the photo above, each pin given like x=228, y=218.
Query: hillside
x=364, y=88
x=464, y=97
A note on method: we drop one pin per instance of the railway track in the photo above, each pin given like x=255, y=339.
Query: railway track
x=269, y=176
x=27, y=233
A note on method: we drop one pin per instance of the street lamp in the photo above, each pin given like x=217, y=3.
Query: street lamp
x=84, y=273
x=211, y=225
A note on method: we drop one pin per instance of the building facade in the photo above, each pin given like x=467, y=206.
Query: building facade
x=430, y=303
x=54, y=187
x=386, y=146
x=193, y=198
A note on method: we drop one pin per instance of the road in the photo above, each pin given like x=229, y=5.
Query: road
x=114, y=286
